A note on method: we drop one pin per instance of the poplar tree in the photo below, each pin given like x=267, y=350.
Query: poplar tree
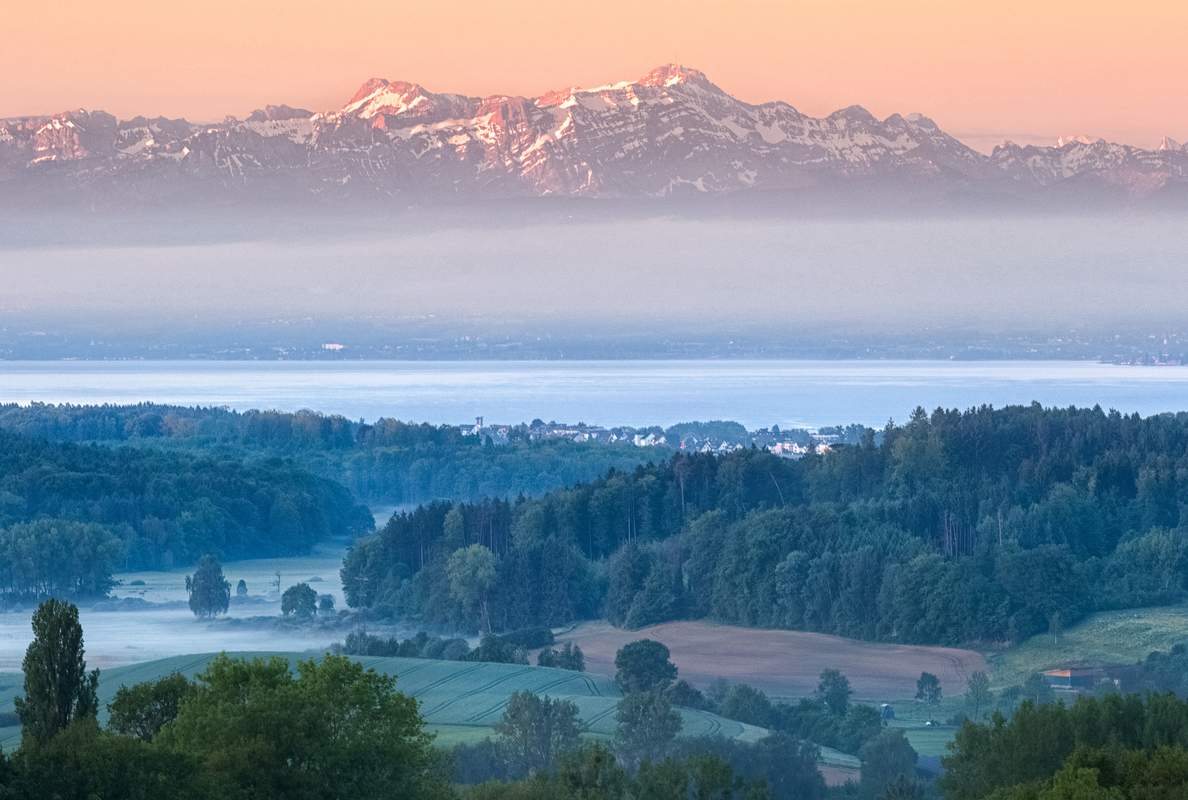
x=58, y=688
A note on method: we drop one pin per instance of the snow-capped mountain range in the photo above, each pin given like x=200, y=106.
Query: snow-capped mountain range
x=669, y=133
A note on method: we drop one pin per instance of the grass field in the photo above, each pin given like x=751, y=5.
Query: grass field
x=785, y=664
x=320, y=569
x=460, y=701
x=1113, y=637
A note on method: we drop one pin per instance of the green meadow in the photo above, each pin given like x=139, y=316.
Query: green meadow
x=460, y=700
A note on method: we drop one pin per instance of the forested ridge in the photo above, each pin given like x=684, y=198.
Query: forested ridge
x=70, y=514
x=982, y=525
x=387, y=461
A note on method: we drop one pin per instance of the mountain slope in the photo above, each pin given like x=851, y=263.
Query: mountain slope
x=668, y=133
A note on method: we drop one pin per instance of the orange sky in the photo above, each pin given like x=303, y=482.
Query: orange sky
x=985, y=71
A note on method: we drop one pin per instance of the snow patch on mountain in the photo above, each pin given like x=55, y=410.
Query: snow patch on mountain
x=670, y=131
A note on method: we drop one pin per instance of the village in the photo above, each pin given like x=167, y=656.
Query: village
x=690, y=437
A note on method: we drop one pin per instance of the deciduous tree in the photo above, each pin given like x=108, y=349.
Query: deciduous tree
x=335, y=729
x=210, y=593
x=143, y=709
x=535, y=730
x=928, y=690
x=647, y=724
x=471, y=573
x=834, y=689
x=300, y=601
x=978, y=696
x=644, y=666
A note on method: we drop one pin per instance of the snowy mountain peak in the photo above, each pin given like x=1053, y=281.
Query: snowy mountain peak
x=368, y=88
x=1169, y=144
x=668, y=75
x=380, y=96
x=1065, y=141
x=854, y=113
x=669, y=133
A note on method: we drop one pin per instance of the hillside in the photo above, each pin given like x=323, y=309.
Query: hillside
x=149, y=508
x=1108, y=637
x=983, y=526
x=459, y=700
x=784, y=664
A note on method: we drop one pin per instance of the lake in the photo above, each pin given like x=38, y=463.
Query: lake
x=755, y=393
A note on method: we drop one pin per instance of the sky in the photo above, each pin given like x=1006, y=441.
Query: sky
x=986, y=71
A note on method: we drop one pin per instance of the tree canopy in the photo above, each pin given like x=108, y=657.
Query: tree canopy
x=985, y=525
x=300, y=601
x=210, y=592
x=644, y=666
x=151, y=508
x=386, y=461
x=1117, y=746
x=333, y=729
x=534, y=731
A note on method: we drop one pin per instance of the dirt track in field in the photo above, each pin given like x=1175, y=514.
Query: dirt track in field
x=783, y=663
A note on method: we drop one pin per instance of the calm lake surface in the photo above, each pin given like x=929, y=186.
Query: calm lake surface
x=755, y=393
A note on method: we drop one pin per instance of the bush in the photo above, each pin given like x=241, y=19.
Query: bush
x=683, y=693
x=495, y=650
x=568, y=657
x=530, y=638
x=480, y=762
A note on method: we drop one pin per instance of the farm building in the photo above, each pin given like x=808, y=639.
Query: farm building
x=1075, y=677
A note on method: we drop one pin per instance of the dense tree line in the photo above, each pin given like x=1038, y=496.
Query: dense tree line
x=70, y=513
x=1117, y=747
x=491, y=649
x=983, y=525
x=388, y=461
x=1162, y=672
x=57, y=557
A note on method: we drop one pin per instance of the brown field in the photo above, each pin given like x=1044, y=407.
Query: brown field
x=783, y=663
x=839, y=776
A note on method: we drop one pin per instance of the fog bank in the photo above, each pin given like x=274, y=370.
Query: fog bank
x=990, y=273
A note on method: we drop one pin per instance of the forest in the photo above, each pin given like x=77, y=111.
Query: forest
x=386, y=462
x=71, y=514
x=985, y=525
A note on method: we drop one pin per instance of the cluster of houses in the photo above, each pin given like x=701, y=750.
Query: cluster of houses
x=786, y=444
x=553, y=431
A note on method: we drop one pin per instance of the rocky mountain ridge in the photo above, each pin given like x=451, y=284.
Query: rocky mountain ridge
x=669, y=133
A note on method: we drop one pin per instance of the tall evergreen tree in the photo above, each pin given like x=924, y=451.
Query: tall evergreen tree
x=58, y=689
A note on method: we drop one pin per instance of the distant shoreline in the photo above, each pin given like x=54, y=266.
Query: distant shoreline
x=758, y=393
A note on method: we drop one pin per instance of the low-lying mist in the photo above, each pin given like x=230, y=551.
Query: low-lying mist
x=987, y=273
